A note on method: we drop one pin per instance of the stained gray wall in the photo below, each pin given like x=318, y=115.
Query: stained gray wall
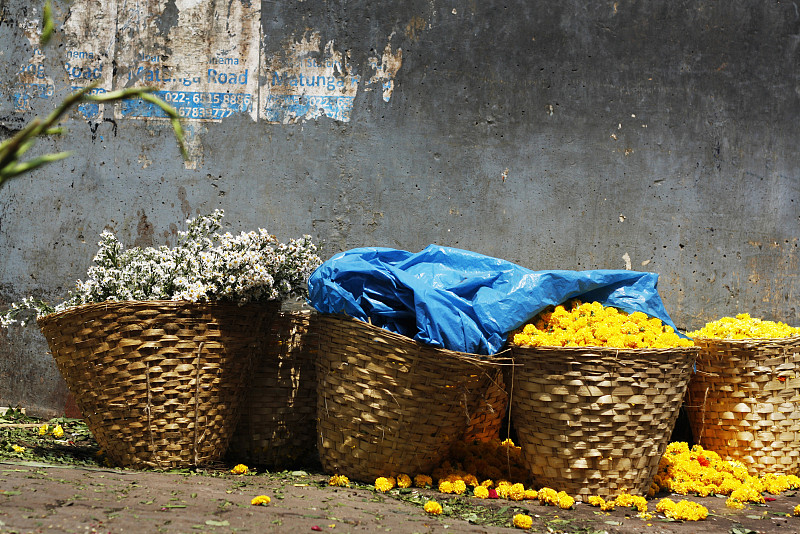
x=659, y=135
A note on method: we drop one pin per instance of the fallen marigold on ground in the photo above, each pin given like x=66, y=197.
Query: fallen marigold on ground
x=422, y=481
x=240, y=469
x=384, y=484
x=261, y=500
x=523, y=521
x=481, y=492
x=682, y=510
x=433, y=507
x=339, y=480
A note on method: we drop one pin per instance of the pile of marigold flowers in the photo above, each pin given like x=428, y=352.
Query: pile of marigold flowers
x=683, y=510
x=702, y=472
x=481, y=458
x=744, y=327
x=578, y=324
x=484, y=460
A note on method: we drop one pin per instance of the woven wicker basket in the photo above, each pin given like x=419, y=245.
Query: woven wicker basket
x=387, y=404
x=159, y=383
x=277, y=429
x=743, y=402
x=596, y=421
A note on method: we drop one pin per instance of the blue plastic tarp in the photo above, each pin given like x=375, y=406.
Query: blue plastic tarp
x=461, y=300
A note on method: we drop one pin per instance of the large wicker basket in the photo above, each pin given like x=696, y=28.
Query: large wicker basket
x=743, y=402
x=278, y=426
x=596, y=421
x=387, y=404
x=159, y=383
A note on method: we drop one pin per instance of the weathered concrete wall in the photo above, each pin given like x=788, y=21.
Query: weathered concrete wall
x=660, y=136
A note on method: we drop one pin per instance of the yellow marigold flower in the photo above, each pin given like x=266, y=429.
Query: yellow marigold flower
x=470, y=480
x=687, y=511
x=503, y=490
x=564, y=501
x=796, y=510
x=384, y=484
x=240, y=469
x=529, y=329
x=445, y=486
x=665, y=505
x=403, y=481
x=746, y=493
x=548, y=496
x=339, y=480
x=459, y=487
x=516, y=492
x=17, y=448
x=481, y=492
x=488, y=483
x=523, y=521
x=734, y=503
x=58, y=432
x=531, y=494
x=43, y=429
x=744, y=327
x=522, y=339
x=261, y=500
x=596, y=500
x=626, y=500
x=422, y=481
x=433, y=507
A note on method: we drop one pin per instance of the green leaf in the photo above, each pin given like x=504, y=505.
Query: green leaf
x=47, y=24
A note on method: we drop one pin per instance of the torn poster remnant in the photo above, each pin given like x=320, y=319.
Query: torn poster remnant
x=89, y=39
x=201, y=55
x=307, y=82
x=204, y=57
x=32, y=80
x=386, y=69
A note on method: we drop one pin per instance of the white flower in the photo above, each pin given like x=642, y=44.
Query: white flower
x=204, y=265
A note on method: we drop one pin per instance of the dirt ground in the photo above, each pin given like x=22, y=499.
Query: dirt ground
x=41, y=497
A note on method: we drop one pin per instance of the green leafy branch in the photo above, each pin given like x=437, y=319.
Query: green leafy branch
x=13, y=149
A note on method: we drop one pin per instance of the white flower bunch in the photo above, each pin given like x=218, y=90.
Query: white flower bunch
x=203, y=266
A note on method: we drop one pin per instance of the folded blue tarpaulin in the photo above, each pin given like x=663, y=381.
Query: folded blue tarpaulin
x=461, y=300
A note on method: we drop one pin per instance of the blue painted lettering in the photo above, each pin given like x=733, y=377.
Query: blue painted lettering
x=83, y=73
x=227, y=77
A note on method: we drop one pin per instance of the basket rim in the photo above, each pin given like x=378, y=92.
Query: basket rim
x=749, y=340
x=176, y=304
x=604, y=351
x=489, y=359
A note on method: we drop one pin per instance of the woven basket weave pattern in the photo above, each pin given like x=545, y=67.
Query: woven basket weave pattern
x=389, y=405
x=743, y=402
x=158, y=382
x=596, y=421
x=277, y=428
